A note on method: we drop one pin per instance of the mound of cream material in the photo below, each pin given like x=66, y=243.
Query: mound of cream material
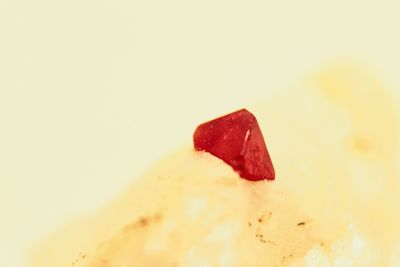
x=334, y=201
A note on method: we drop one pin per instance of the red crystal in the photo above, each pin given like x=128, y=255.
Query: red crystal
x=236, y=138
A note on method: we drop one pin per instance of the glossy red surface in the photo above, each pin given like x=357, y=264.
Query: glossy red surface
x=236, y=138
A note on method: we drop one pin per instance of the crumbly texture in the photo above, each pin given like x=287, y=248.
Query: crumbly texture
x=205, y=215
x=334, y=201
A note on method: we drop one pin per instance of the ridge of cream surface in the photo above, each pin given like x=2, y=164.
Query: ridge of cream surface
x=334, y=202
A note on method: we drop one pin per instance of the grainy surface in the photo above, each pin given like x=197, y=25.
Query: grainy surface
x=334, y=201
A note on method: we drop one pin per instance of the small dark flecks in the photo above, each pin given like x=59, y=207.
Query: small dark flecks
x=249, y=223
x=83, y=255
x=261, y=238
x=80, y=257
x=322, y=244
x=284, y=258
x=142, y=222
x=271, y=242
x=301, y=223
x=261, y=219
x=264, y=217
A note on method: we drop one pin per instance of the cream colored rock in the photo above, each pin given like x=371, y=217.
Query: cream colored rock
x=334, y=201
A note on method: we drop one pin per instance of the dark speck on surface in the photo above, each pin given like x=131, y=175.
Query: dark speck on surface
x=142, y=222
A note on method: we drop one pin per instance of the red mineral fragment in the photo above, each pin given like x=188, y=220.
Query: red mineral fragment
x=236, y=138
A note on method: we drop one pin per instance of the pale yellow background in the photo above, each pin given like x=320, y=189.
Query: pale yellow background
x=93, y=92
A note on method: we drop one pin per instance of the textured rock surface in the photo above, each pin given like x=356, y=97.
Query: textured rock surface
x=335, y=202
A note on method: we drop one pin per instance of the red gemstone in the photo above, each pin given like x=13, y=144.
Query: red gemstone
x=236, y=138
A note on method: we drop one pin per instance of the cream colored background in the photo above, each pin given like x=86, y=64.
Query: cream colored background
x=93, y=92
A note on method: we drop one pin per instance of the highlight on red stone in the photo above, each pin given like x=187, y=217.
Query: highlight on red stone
x=236, y=138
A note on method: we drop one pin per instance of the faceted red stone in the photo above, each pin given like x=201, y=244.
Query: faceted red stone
x=236, y=138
